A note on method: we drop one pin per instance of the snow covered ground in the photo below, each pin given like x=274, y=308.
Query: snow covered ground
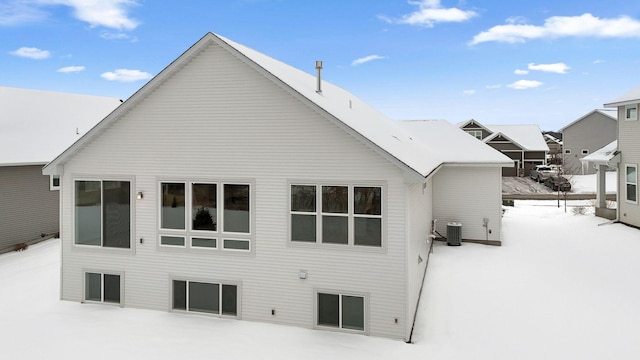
x=562, y=286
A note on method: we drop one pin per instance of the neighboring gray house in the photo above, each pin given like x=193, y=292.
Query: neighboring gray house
x=586, y=135
x=237, y=186
x=523, y=144
x=35, y=126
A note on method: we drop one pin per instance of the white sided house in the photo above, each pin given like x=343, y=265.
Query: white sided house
x=36, y=126
x=627, y=157
x=237, y=186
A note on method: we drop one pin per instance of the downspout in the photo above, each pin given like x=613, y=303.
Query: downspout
x=424, y=276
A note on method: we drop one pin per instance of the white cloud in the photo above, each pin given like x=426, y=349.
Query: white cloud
x=111, y=14
x=598, y=61
x=496, y=86
x=126, y=75
x=559, y=68
x=525, y=84
x=71, y=69
x=585, y=25
x=15, y=12
x=366, y=59
x=521, y=72
x=430, y=12
x=31, y=53
x=469, y=92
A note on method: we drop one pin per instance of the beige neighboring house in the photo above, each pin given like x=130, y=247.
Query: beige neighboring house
x=523, y=144
x=35, y=126
x=585, y=135
x=236, y=186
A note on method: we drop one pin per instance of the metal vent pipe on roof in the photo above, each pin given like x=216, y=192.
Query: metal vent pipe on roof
x=319, y=68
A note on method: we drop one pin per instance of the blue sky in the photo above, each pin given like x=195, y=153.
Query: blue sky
x=500, y=62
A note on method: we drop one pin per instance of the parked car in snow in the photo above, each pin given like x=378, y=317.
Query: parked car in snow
x=558, y=182
x=541, y=172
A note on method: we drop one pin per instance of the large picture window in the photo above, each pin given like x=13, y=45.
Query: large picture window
x=103, y=213
x=101, y=287
x=190, y=216
x=336, y=214
x=341, y=311
x=631, y=182
x=212, y=298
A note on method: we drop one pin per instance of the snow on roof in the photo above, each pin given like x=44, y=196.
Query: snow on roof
x=528, y=136
x=455, y=145
x=38, y=125
x=353, y=112
x=349, y=112
x=603, y=155
x=631, y=97
x=613, y=114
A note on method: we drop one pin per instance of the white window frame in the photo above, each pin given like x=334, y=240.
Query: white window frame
x=102, y=274
x=631, y=112
x=52, y=185
x=584, y=151
x=350, y=215
x=365, y=311
x=132, y=205
x=219, y=235
x=475, y=133
x=567, y=151
x=237, y=284
x=627, y=183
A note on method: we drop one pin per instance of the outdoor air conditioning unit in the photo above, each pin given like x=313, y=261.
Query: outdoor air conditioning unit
x=454, y=233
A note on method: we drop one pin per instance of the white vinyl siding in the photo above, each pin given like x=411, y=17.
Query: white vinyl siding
x=220, y=119
x=629, y=148
x=456, y=199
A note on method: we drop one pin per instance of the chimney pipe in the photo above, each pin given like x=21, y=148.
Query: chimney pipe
x=319, y=68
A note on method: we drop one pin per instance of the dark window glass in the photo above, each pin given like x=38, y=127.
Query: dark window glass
x=55, y=181
x=303, y=198
x=173, y=206
x=328, y=309
x=179, y=295
x=229, y=300
x=116, y=214
x=352, y=312
x=93, y=287
x=303, y=227
x=237, y=244
x=335, y=229
x=367, y=231
x=236, y=208
x=172, y=240
x=203, y=242
x=88, y=223
x=335, y=199
x=204, y=297
x=367, y=200
x=112, y=288
x=204, y=207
